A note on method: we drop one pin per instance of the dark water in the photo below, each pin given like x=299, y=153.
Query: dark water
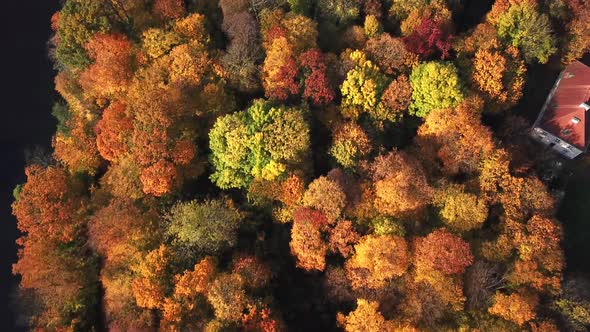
x=25, y=101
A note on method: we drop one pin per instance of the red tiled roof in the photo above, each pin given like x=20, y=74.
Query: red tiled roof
x=572, y=90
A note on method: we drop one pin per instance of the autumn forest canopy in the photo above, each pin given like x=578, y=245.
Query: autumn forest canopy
x=274, y=165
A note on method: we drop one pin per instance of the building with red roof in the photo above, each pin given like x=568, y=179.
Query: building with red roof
x=562, y=123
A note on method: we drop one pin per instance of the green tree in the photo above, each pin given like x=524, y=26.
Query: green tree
x=435, y=85
x=340, y=12
x=78, y=21
x=400, y=9
x=576, y=314
x=300, y=6
x=209, y=227
x=574, y=302
x=228, y=141
x=524, y=27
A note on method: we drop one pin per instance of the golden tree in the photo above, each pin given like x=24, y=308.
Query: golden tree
x=366, y=317
x=401, y=187
x=325, y=195
x=306, y=243
x=518, y=308
x=456, y=137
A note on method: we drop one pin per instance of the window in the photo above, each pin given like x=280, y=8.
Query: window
x=566, y=132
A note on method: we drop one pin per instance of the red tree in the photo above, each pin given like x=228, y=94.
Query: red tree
x=317, y=83
x=159, y=179
x=252, y=269
x=118, y=231
x=113, y=64
x=429, y=38
x=316, y=218
x=169, y=9
x=285, y=81
x=112, y=132
x=260, y=319
x=443, y=251
x=342, y=238
x=48, y=204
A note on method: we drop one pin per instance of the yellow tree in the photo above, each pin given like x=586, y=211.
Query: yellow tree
x=488, y=69
x=366, y=317
x=493, y=171
x=122, y=179
x=77, y=148
x=524, y=197
x=363, y=88
x=377, y=260
x=500, y=76
x=540, y=256
x=460, y=210
x=498, y=73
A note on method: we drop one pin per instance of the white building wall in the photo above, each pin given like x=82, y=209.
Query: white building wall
x=560, y=146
